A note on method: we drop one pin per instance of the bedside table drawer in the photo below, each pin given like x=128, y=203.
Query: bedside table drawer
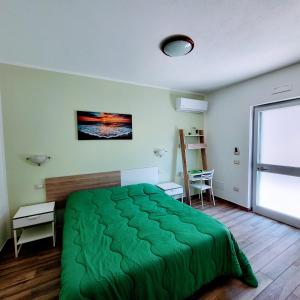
x=174, y=192
x=33, y=220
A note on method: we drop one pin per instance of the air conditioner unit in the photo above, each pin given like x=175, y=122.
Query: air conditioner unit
x=191, y=105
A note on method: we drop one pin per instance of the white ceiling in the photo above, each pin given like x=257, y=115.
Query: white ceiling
x=119, y=39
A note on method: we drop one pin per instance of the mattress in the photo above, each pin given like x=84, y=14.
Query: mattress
x=135, y=242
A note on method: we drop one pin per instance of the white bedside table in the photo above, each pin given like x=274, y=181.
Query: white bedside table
x=35, y=222
x=172, y=189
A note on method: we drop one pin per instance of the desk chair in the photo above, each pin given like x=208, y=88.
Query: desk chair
x=200, y=184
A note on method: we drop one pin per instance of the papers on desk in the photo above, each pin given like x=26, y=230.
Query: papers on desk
x=195, y=175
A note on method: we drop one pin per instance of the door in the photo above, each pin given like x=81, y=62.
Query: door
x=276, y=161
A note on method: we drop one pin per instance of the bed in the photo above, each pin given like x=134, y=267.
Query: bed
x=135, y=242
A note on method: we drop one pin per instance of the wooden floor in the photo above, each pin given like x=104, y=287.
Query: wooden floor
x=273, y=249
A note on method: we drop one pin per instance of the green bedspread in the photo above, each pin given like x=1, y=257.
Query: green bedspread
x=135, y=242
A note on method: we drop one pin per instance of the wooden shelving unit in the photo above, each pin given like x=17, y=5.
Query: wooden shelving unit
x=195, y=146
x=191, y=146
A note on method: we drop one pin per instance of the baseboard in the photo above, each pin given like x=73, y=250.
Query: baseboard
x=222, y=200
x=219, y=199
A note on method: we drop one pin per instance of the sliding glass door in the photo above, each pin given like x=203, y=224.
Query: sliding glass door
x=276, y=161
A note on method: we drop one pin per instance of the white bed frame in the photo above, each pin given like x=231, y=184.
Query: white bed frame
x=135, y=176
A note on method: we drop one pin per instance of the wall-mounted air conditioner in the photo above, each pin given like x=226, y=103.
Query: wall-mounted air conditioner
x=191, y=105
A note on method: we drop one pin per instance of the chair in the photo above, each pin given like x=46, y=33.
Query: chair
x=200, y=184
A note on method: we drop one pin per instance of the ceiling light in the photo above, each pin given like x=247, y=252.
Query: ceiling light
x=177, y=45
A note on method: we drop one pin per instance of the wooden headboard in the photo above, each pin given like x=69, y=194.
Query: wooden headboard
x=59, y=188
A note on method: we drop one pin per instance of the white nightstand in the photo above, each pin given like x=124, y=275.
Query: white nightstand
x=172, y=189
x=35, y=222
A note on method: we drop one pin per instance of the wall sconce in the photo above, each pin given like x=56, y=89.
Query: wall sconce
x=38, y=159
x=159, y=152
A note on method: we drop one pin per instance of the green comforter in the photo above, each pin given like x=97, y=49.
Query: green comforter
x=135, y=242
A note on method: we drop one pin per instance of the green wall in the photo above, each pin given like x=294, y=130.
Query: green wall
x=39, y=118
x=4, y=208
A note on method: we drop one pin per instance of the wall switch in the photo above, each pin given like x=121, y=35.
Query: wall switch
x=236, y=151
x=236, y=189
x=38, y=186
x=236, y=162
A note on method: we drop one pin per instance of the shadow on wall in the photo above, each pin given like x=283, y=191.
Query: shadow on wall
x=177, y=161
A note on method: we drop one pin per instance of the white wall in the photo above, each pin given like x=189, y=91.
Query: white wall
x=227, y=125
x=4, y=210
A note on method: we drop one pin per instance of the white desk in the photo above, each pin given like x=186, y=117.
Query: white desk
x=172, y=189
x=35, y=222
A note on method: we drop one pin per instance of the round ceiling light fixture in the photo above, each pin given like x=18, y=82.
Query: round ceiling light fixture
x=177, y=45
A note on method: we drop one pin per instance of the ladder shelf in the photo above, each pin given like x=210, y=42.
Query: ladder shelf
x=191, y=146
x=195, y=146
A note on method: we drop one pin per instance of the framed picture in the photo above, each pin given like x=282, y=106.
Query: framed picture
x=103, y=126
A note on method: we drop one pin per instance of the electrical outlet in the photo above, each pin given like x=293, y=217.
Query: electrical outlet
x=236, y=189
x=39, y=186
